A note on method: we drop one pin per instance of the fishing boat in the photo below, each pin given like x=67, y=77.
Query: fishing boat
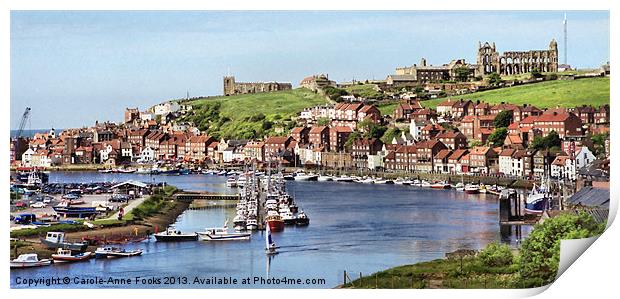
x=302, y=219
x=239, y=223
x=251, y=224
x=440, y=185
x=471, y=189
x=57, y=240
x=288, y=217
x=29, y=260
x=221, y=234
x=173, y=235
x=537, y=200
x=111, y=252
x=275, y=223
x=270, y=245
x=66, y=256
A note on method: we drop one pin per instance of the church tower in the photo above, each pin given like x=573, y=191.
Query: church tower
x=229, y=85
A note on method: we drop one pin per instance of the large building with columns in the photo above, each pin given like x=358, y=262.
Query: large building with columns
x=516, y=62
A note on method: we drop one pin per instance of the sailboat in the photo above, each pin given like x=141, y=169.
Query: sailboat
x=270, y=245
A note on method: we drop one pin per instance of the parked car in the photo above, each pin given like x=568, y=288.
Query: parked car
x=38, y=205
x=70, y=196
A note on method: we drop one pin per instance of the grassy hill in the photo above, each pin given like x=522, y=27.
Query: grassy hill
x=364, y=90
x=251, y=115
x=565, y=93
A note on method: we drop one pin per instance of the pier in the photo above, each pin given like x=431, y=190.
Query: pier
x=191, y=196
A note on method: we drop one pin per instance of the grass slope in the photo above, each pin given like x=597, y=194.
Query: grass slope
x=245, y=116
x=565, y=93
x=364, y=90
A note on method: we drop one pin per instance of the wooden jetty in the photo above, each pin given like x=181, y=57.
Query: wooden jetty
x=191, y=196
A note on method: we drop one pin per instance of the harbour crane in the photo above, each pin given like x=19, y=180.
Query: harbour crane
x=23, y=122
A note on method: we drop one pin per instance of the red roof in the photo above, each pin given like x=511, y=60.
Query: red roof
x=442, y=154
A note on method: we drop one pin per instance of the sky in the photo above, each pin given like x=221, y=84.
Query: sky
x=75, y=67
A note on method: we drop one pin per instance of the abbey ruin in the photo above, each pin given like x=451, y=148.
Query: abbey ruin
x=516, y=62
x=232, y=88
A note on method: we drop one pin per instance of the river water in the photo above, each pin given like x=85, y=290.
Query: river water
x=353, y=227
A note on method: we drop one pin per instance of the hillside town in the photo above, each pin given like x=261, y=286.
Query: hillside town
x=458, y=137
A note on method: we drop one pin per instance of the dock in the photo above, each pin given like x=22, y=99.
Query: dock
x=191, y=196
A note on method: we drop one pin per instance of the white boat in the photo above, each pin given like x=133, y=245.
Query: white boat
x=306, y=177
x=399, y=181
x=383, y=181
x=66, y=256
x=252, y=224
x=367, y=181
x=459, y=187
x=407, y=182
x=29, y=260
x=471, y=189
x=425, y=184
x=221, y=234
x=108, y=252
x=343, y=179
x=325, y=178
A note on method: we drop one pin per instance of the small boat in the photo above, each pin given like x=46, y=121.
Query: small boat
x=111, y=252
x=482, y=188
x=57, y=240
x=325, y=178
x=440, y=185
x=239, y=223
x=302, y=219
x=288, y=177
x=251, y=224
x=306, y=177
x=29, y=260
x=79, y=212
x=343, y=179
x=459, y=187
x=173, y=235
x=472, y=189
x=288, y=217
x=275, y=223
x=399, y=181
x=66, y=256
x=383, y=181
x=425, y=184
x=270, y=245
x=221, y=234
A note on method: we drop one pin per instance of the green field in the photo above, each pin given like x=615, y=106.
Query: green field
x=563, y=93
x=364, y=90
x=252, y=115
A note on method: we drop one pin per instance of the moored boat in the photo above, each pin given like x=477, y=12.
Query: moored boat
x=173, y=235
x=302, y=219
x=29, y=260
x=221, y=234
x=275, y=222
x=57, y=240
x=537, y=200
x=440, y=185
x=325, y=178
x=66, y=256
x=471, y=189
x=111, y=252
x=306, y=177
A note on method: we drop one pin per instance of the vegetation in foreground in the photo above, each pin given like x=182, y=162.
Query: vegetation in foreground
x=563, y=93
x=250, y=116
x=496, y=266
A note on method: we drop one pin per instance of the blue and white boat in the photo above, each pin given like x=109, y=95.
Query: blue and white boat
x=537, y=200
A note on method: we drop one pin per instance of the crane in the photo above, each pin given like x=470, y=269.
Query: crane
x=23, y=122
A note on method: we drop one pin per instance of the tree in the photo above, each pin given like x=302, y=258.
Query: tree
x=495, y=78
x=540, y=252
x=334, y=93
x=390, y=134
x=352, y=137
x=551, y=141
x=323, y=121
x=503, y=119
x=474, y=143
x=498, y=136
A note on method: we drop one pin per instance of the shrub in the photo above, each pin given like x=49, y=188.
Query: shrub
x=495, y=255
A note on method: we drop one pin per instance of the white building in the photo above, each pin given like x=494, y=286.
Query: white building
x=147, y=154
x=165, y=108
x=563, y=168
x=583, y=157
x=27, y=157
x=375, y=161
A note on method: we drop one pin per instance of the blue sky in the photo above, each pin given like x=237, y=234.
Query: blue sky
x=75, y=67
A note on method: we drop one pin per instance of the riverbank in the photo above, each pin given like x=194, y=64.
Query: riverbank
x=137, y=228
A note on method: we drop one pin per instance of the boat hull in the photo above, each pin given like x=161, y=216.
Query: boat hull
x=17, y=265
x=276, y=225
x=117, y=254
x=71, y=258
x=176, y=238
x=231, y=237
x=302, y=221
x=65, y=245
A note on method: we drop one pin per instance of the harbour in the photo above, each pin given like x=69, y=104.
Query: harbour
x=359, y=227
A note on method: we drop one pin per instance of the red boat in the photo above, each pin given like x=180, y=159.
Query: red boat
x=440, y=185
x=275, y=222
